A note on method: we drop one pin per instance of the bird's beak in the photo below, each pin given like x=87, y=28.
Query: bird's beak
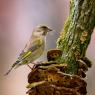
x=51, y=33
x=49, y=30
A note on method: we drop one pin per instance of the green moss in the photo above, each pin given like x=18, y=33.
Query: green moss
x=76, y=35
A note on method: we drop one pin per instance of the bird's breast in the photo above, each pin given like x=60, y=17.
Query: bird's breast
x=37, y=53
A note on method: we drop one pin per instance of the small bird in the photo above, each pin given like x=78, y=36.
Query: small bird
x=33, y=49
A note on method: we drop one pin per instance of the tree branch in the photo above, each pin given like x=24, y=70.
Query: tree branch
x=75, y=37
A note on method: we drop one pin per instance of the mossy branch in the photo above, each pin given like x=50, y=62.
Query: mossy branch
x=75, y=37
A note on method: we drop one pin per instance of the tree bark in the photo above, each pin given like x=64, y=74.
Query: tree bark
x=75, y=37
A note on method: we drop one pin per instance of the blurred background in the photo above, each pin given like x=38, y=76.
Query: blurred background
x=17, y=19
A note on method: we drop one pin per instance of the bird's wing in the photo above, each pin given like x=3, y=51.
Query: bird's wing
x=33, y=43
x=30, y=47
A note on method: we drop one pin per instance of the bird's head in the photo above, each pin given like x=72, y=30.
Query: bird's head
x=41, y=31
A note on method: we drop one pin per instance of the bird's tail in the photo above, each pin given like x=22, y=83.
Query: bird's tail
x=12, y=67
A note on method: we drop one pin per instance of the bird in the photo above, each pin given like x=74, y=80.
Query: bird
x=33, y=49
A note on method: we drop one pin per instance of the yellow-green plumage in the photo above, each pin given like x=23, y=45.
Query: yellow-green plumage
x=33, y=49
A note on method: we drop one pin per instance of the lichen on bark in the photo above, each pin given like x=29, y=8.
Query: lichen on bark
x=75, y=37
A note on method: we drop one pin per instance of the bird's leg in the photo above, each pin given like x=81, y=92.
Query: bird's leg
x=30, y=67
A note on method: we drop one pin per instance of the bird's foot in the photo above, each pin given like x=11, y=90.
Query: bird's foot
x=30, y=67
x=34, y=64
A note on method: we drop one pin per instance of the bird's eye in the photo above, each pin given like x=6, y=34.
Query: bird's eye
x=44, y=27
